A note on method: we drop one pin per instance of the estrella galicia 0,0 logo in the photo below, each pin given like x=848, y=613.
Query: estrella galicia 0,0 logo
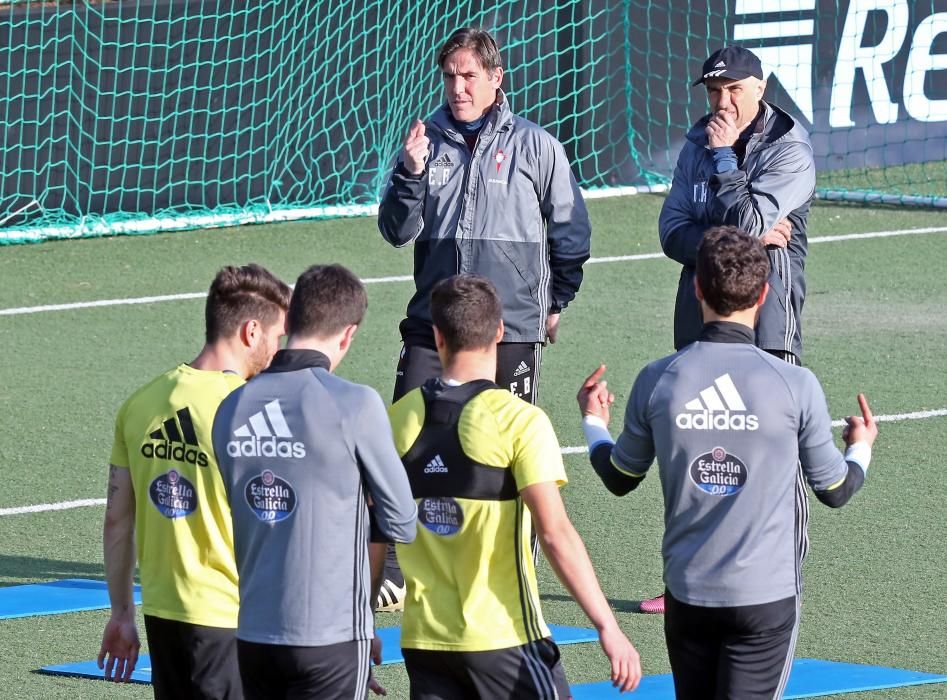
x=442, y=516
x=270, y=497
x=173, y=495
x=718, y=473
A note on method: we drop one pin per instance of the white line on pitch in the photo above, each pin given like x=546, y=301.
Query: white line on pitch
x=86, y=502
x=43, y=507
x=23, y=310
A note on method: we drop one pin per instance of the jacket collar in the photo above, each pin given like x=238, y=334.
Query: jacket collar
x=497, y=119
x=294, y=360
x=727, y=332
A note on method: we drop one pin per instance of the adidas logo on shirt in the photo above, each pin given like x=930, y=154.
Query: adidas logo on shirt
x=266, y=434
x=176, y=441
x=718, y=407
x=442, y=161
x=436, y=466
x=522, y=368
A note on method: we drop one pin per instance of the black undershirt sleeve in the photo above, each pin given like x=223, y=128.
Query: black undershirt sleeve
x=375, y=534
x=616, y=482
x=841, y=494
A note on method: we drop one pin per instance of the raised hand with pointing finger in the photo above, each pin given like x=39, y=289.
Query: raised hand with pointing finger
x=594, y=397
x=416, y=148
x=861, y=429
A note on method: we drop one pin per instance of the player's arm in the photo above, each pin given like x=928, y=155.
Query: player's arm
x=679, y=230
x=568, y=229
x=401, y=211
x=569, y=559
x=757, y=205
x=120, y=644
x=834, y=477
x=394, y=511
x=621, y=467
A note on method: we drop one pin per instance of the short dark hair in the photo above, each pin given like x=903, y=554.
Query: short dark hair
x=466, y=310
x=732, y=267
x=477, y=40
x=326, y=300
x=241, y=294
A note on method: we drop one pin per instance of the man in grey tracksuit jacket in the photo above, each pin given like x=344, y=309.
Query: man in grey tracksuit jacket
x=766, y=180
x=728, y=425
x=494, y=196
x=517, y=219
x=303, y=454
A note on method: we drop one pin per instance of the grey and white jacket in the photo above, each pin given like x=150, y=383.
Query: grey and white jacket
x=775, y=180
x=510, y=210
x=737, y=435
x=301, y=453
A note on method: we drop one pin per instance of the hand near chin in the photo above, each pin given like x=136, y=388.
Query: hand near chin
x=721, y=130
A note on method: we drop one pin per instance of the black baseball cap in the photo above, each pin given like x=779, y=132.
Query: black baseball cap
x=732, y=62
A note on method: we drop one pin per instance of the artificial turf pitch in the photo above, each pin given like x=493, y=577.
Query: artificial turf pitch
x=874, y=321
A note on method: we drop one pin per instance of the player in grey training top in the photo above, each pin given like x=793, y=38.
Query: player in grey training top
x=727, y=423
x=301, y=452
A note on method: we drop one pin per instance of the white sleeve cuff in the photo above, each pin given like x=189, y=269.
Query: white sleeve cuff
x=860, y=454
x=596, y=432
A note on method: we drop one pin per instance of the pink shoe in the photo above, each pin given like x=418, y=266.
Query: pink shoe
x=654, y=606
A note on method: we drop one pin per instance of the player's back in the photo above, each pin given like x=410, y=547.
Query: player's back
x=468, y=450
x=286, y=442
x=728, y=421
x=183, y=528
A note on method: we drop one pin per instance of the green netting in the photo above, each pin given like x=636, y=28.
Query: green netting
x=134, y=117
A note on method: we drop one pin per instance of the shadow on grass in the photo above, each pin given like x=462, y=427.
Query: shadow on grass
x=29, y=569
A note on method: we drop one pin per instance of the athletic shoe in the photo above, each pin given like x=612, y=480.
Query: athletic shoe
x=391, y=596
x=654, y=606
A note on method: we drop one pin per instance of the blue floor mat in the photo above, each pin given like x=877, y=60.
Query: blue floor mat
x=810, y=678
x=55, y=597
x=391, y=653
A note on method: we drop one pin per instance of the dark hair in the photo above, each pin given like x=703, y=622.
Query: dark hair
x=466, y=310
x=477, y=40
x=326, y=300
x=241, y=294
x=732, y=267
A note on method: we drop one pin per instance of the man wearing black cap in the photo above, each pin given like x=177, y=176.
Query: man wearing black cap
x=747, y=164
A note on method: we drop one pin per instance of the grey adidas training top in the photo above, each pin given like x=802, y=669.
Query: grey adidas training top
x=729, y=426
x=299, y=450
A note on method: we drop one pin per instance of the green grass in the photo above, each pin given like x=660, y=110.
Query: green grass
x=874, y=322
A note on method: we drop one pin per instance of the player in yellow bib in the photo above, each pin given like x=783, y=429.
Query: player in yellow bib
x=481, y=462
x=167, y=501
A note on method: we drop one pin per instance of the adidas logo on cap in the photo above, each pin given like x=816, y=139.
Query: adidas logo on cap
x=522, y=368
x=266, y=436
x=719, y=407
x=436, y=466
x=177, y=441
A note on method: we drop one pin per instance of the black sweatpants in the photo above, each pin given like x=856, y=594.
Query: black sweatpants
x=529, y=672
x=736, y=653
x=192, y=661
x=279, y=672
